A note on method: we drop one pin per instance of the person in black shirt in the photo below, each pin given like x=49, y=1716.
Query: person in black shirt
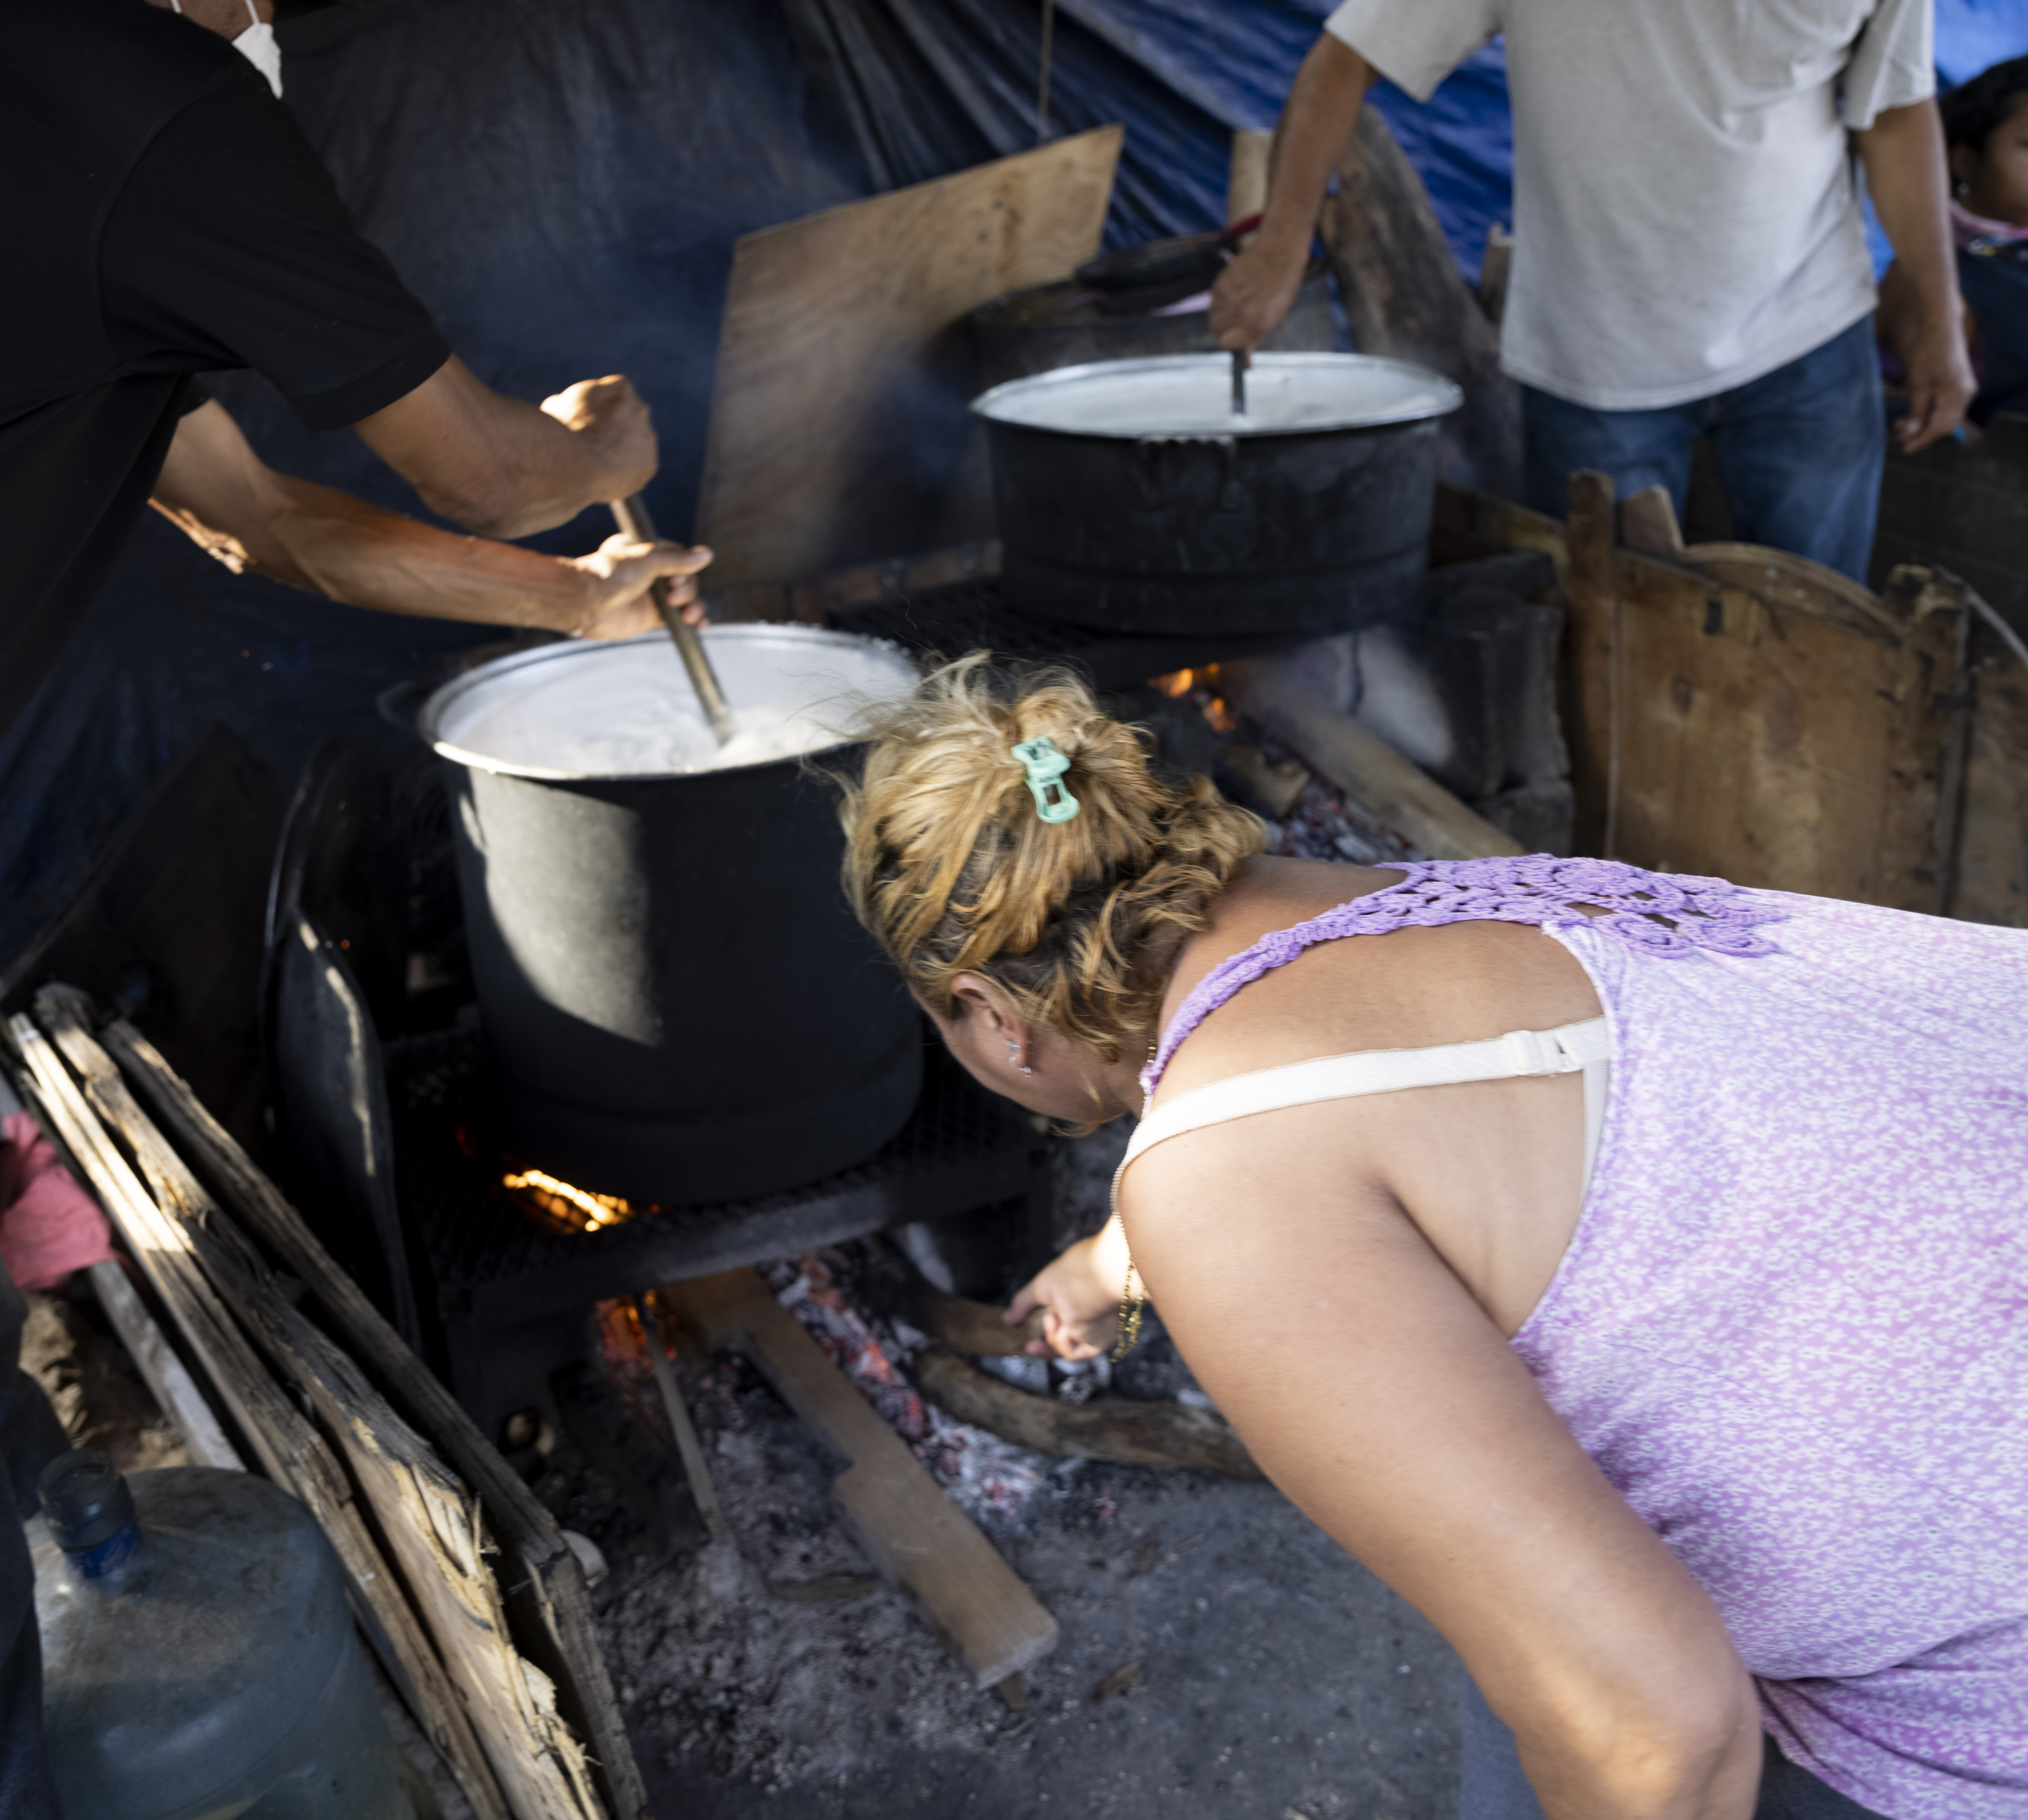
x=165, y=217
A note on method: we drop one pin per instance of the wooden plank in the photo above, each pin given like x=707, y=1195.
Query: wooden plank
x=838, y=427
x=432, y=1523
x=1592, y=649
x=914, y=1535
x=290, y=1451
x=1467, y=524
x=1383, y=782
x=550, y=1605
x=1990, y=876
x=175, y=1390
x=1647, y=522
x=1405, y=298
x=691, y=1449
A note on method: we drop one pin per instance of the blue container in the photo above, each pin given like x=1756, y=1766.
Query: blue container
x=198, y=1657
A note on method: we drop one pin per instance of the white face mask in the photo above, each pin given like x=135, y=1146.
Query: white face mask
x=257, y=44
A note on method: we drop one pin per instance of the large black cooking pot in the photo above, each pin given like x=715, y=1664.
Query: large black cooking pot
x=677, y=1000
x=1131, y=498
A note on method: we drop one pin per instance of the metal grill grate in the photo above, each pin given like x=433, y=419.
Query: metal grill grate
x=496, y=1259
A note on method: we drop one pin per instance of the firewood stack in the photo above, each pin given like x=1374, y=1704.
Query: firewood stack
x=463, y=1584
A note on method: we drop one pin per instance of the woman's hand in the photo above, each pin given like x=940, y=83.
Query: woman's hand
x=1079, y=1294
x=618, y=575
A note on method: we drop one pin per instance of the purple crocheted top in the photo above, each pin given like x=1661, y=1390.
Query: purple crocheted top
x=1791, y=1325
x=1701, y=913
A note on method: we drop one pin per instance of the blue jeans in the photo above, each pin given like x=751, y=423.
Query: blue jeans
x=1800, y=450
x=1492, y=1787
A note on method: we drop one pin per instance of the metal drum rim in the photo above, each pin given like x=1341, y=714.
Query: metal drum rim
x=983, y=406
x=751, y=631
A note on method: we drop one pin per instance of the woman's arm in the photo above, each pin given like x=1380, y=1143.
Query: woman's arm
x=1377, y=1395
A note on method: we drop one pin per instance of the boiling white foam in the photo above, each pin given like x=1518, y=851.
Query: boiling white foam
x=628, y=710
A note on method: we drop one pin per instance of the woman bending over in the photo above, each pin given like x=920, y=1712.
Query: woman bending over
x=1627, y=1268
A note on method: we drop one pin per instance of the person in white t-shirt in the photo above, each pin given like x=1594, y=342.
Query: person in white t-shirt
x=1689, y=253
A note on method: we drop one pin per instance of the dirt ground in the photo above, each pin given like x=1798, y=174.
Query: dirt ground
x=1218, y=1656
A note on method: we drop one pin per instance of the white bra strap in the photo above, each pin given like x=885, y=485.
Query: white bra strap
x=1518, y=1053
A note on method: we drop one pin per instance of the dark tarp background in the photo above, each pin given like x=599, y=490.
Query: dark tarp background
x=562, y=185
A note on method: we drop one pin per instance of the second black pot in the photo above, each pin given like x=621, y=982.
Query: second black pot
x=1130, y=499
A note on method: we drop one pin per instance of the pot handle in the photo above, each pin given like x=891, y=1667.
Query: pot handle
x=399, y=706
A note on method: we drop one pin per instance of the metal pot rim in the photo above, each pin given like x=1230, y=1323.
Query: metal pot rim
x=990, y=405
x=429, y=717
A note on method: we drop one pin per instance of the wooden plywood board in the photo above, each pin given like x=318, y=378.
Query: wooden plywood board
x=838, y=428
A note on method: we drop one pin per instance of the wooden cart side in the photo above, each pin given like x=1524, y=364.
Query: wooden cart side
x=1741, y=712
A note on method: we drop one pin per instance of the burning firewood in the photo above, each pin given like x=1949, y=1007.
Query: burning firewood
x=1115, y=1428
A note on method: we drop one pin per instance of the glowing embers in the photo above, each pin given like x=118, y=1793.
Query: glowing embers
x=568, y=1208
x=1200, y=687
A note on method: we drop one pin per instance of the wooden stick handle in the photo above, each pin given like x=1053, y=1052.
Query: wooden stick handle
x=632, y=514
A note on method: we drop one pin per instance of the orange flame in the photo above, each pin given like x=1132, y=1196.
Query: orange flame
x=1199, y=684
x=578, y=1208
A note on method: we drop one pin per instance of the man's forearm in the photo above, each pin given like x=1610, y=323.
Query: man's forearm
x=329, y=543
x=1316, y=126
x=1253, y=294
x=505, y=467
x=1909, y=179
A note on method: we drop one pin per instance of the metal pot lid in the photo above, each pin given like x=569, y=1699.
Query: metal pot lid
x=1191, y=395
x=580, y=710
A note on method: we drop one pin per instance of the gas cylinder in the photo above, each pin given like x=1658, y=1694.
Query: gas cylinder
x=198, y=1657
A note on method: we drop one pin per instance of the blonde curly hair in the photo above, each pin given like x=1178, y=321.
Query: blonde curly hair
x=951, y=869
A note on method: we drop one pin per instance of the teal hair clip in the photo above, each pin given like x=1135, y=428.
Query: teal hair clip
x=1045, y=768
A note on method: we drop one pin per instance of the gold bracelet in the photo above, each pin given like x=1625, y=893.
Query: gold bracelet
x=1132, y=1305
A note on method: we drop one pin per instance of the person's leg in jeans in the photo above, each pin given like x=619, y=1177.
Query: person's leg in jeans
x=1638, y=449
x=1491, y=1785
x=1801, y=451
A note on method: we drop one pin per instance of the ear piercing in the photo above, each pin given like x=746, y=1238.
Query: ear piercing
x=1014, y=1059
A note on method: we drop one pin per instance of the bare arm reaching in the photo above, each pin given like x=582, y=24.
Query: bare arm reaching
x=226, y=500
x=1254, y=293
x=1376, y=1392
x=505, y=467
x=1909, y=181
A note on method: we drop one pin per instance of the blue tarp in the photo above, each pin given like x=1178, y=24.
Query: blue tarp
x=563, y=184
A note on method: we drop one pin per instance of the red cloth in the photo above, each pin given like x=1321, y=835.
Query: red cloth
x=49, y=1225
